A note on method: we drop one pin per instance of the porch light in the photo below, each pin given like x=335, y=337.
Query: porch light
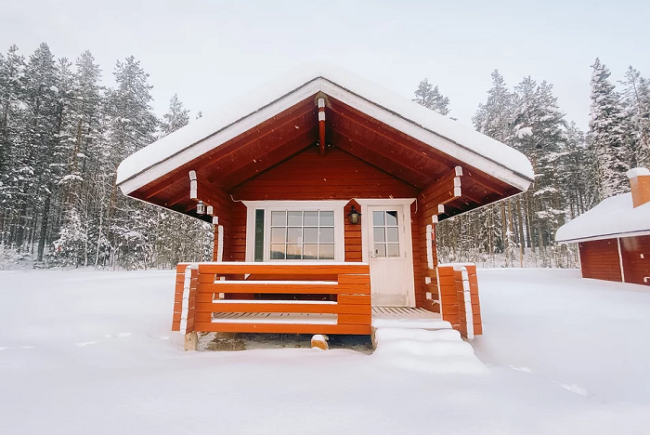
x=200, y=208
x=354, y=216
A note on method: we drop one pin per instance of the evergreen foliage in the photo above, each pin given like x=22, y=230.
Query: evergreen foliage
x=62, y=136
x=573, y=171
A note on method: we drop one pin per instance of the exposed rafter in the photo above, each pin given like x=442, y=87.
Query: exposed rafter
x=321, y=125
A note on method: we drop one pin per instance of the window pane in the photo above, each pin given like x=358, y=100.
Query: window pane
x=378, y=218
x=393, y=250
x=295, y=218
x=278, y=235
x=379, y=235
x=277, y=252
x=380, y=250
x=259, y=235
x=311, y=218
x=326, y=218
x=294, y=235
x=311, y=235
x=278, y=218
x=326, y=252
x=392, y=234
x=310, y=252
x=327, y=235
x=391, y=218
x=294, y=252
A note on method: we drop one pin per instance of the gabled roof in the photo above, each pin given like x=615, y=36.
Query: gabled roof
x=449, y=137
x=613, y=217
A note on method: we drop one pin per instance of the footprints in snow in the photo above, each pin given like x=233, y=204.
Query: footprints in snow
x=574, y=388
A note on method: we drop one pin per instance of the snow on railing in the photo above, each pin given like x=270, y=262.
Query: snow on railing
x=458, y=295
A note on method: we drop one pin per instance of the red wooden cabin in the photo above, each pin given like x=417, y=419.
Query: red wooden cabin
x=614, y=237
x=283, y=174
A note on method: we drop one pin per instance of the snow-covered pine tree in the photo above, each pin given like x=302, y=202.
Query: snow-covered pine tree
x=607, y=134
x=81, y=200
x=636, y=94
x=132, y=126
x=494, y=119
x=430, y=97
x=539, y=132
x=178, y=237
x=36, y=148
x=12, y=86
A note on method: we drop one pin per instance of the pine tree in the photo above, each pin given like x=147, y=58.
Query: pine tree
x=176, y=118
x=494, y=119
x=74, y=246
x=607, y=134
x=12, y=87
x=636, y=94
x=431, y=98
x=132, y=126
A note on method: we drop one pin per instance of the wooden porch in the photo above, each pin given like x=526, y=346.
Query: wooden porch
x=311, y=298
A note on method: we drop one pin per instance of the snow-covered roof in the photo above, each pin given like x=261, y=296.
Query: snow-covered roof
x=451, y=137
x=613, y=217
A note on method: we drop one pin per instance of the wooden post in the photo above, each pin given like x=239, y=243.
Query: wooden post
x=191, y=341
x=188, y=304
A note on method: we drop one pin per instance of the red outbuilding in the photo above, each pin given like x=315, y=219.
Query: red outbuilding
x=614, y=236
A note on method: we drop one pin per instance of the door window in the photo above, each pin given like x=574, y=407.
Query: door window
x=385, y=233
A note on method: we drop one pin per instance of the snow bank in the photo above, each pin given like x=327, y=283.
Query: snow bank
x=189, y=142
x=613, y=217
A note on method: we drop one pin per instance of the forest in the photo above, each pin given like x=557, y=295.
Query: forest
x=63, y=134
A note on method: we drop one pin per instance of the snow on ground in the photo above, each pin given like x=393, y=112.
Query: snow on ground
x=91, y=352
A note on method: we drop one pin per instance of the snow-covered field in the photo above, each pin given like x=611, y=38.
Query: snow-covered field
x=86, y=352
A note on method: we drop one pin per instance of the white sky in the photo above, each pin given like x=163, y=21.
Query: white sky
x=210, y=52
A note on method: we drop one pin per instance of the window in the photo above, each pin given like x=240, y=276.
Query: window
x=295, y=230
x=302, y=235
x=385, y=233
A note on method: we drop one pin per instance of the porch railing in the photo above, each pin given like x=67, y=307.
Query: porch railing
x=291, y=298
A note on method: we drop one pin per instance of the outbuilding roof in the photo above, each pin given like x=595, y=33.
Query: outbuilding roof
x=450, y=137
x=614, y=217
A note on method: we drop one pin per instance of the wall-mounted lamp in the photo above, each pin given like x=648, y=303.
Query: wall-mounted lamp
x=200, y=208
x=353, y=216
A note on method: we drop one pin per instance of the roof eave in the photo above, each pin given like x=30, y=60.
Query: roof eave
x=322, y=84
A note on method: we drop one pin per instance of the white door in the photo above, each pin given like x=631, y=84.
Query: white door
x=390, y=256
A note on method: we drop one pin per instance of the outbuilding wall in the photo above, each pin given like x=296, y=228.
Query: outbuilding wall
x=635, y=252
x=600, y=259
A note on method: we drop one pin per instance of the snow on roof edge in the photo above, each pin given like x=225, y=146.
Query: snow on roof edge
x=611, y=218
x=266, y=96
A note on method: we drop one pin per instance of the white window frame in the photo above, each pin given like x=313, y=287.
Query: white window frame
x=337, y=206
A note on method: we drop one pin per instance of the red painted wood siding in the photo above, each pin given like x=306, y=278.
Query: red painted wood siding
x=338, y=175
x=599, y=260
x=636, y=259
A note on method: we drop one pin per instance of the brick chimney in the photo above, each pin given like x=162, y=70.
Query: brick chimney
x=640, y=184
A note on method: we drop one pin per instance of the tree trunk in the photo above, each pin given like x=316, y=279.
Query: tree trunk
x=44, y=222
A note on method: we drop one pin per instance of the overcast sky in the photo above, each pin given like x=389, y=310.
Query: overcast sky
x=209, y=52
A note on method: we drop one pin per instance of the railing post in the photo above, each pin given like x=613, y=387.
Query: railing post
x=188, y=306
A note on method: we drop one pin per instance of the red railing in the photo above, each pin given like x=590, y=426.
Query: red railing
x=291, y=298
